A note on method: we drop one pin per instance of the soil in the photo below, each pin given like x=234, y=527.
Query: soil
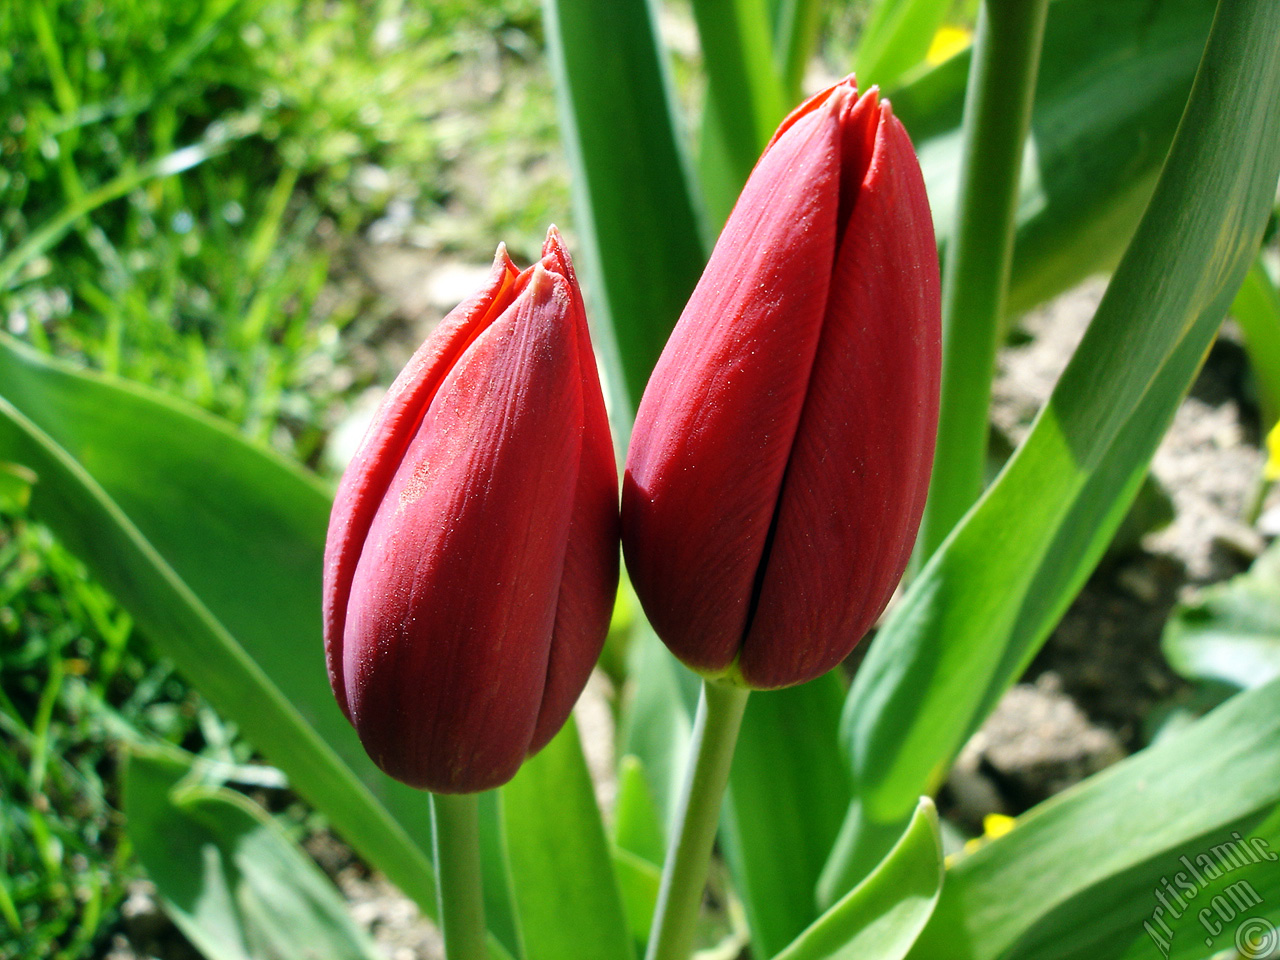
x=1097, y=687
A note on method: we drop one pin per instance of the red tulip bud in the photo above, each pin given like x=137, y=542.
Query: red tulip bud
x=782, y=450
x=472, y=555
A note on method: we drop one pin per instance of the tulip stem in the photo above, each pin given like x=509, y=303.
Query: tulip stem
x=979, y=254
x=455, y=834
x=684, y=876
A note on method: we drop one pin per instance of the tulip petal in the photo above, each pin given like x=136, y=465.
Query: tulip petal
x=860, y=465
x=714, y=430
x=455, y=594
x=366, y=479
x=589, y=582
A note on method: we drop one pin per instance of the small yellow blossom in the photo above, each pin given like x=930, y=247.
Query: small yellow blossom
x=994, y=826
x=947, y=42
x=1272, y=469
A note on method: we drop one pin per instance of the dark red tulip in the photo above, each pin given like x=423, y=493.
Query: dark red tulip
x=782, y=450
x=472, y=556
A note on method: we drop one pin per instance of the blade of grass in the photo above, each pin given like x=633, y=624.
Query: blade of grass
x=216, y=141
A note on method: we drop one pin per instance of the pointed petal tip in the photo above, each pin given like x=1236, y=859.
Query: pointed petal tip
x=554, y=245
x=873, y=98
x=555, y=256
x=503, y=265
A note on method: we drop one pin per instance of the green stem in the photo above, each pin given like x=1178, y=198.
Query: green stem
x=455, y=833
x=715, y=733
x=997, y=115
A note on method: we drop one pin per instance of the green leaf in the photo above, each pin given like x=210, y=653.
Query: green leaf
x=1219, y=904
x=1257, y=310
x=745, y=95
x=882, y=917
x=16, y=482
x=981, y=608
x=566, y=896
x=1077, y=876
x=635, y=205
x=1230, y=632
x=722, y=177
x=787, y=759
x=795, y=35
x=639, y=846
x=638, y=883
x=657, y=718
x=896, y=39
x=1112, y=83
x=228, y=875
x=637, y=826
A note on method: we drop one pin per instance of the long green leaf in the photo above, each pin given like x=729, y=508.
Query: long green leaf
x=639, y=846
x=566, y=894
x=1114, y=76
x=228, y=875
x=795, y=35
x=882, y=917
x=980, y=609
x=635, y=205
x=745, y=96
x=1253, y=889
x=1080, y=875
x=787, y=760
x=737, y=54
x=639, y=881
x=637, y=827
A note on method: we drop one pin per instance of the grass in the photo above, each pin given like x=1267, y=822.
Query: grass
x=181, y=186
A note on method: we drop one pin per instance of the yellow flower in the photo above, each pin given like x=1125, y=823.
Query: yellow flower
x=1272, y=470
x=947, y=42
x=994, y=826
